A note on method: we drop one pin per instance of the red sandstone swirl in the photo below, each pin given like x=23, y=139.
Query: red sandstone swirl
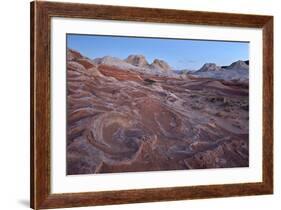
x=125, y=121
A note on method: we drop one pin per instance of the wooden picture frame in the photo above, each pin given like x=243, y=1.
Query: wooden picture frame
x=41, y=14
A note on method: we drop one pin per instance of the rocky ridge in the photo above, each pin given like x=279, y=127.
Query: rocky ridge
x=238, y=70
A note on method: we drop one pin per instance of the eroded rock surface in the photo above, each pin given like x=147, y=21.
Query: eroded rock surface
x=122, y=120
x=238, y=70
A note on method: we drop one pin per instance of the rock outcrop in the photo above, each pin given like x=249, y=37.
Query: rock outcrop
x=137, y=60
x=123, y=120
x=161, y=66
x=113, y=61
x=137, y=63
x=238, y=65
x=238, y=70
x=72, y=55
x=209, y=67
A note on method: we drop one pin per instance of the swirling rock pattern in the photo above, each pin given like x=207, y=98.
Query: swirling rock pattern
x=120, y=120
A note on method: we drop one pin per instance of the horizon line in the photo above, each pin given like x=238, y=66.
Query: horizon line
x=174, y=69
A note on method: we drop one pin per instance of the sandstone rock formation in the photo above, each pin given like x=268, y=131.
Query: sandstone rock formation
x=114, y=62
x=72, y=55
x=238, y=70
x=207, y=67
x=120, y=119
x=239, y=65
x=161, y=66
x=137, y=63
x=137, y=60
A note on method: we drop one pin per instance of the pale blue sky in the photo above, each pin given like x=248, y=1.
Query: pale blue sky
x=179, y=53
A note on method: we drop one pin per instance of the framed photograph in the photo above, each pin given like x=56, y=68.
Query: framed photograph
x=140, y=105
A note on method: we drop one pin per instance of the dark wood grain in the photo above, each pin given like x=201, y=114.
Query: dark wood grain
x=268, y=104
x=40, y=106
x=32, y=142
x=41, y=14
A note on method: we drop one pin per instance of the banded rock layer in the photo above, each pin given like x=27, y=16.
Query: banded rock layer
x=122, y=120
